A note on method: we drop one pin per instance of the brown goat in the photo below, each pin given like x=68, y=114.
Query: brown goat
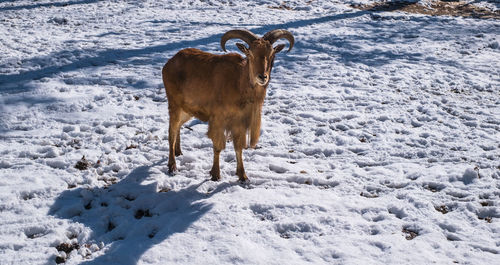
x=227, y=91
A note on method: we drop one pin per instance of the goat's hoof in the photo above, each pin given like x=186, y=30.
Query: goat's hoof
x=215, y=175
x=178, y=153
x=244, y=180
x=171, y=169
x=242, y=176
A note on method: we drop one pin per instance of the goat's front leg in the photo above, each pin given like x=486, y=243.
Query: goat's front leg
x=216, y=133
x=215, y=171
x=239, y=142
x=178, y=150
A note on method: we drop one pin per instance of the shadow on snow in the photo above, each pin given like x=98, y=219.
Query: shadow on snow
x=56, y=4
x=131, y=217
x=17, y=82
x=344, y=49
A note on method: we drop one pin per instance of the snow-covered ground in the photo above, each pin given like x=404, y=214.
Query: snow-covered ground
x=380, y=140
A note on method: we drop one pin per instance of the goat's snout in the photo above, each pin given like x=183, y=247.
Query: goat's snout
x=262, y=77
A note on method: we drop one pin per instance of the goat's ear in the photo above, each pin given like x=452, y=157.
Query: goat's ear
x=242, y=48
x=279, y=48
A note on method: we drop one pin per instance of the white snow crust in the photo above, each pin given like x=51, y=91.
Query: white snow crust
x=380, y=139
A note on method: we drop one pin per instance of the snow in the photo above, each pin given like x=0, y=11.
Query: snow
x=380, y=139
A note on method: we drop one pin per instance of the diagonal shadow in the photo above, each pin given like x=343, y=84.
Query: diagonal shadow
x=11, y=82
x=130, y=217
x=57, y=4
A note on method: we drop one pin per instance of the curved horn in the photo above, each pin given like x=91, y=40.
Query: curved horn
x=277, y=34
x=242, y=34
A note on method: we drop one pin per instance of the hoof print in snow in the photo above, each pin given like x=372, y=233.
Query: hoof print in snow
x=88, y=206
x=129, y=198
x=75, y=143
x=141, y=213
x=111, y=181
x=442, y=209
x=28, y=195
x=111, y=226
x=328, y=186
x=153, y=233
x=277, y=168
x=59, y=20
x=285, y=236
x=409, y=233
x=434, y=187
x=398, y=212
x=487, y=214
x=34, y=232
x=368, y=195
x=83, y=164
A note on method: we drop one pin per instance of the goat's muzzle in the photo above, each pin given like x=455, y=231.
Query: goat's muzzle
x=262, y=79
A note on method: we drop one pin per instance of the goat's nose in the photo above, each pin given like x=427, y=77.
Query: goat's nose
x=263, y=76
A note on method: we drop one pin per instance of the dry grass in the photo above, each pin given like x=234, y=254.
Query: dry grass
x=437, y=8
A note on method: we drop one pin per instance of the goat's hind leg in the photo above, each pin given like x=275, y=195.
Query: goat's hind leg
x=177, y=118
x=173, y=135
x=184, y=117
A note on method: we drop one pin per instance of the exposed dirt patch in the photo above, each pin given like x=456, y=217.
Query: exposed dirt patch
x=486, y=203
x=409, y=233
x=131, y=146
x=165, y=189
x=436, y=8
x=488, y=219
x=66, y=248
x=60, y=260
x=83, y=164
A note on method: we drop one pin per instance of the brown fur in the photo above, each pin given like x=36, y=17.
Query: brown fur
x=222, y=90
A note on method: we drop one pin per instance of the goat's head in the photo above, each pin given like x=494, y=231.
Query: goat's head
x=260, y=52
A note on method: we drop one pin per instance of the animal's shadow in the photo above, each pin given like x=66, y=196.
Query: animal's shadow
x=130, y=217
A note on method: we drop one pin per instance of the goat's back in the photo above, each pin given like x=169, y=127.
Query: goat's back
x=200, y=82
